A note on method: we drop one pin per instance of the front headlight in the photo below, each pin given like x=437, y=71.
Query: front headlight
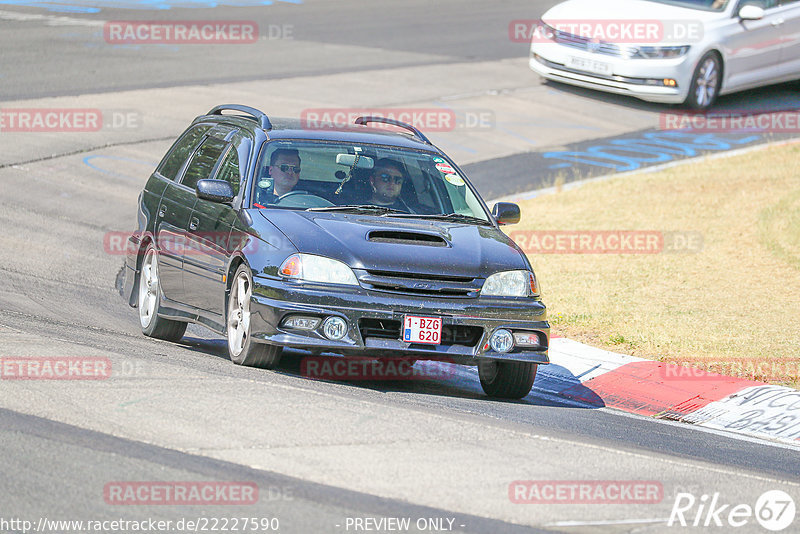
x=310, y=268
x=511, y=284
x=658, y=52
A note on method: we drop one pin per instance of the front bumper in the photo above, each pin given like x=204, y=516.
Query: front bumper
x=628, y=77
x=274, y=299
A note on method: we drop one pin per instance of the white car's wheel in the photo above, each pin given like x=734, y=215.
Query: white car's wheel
x=706, y=82
x=241, y=347
x=150, y=302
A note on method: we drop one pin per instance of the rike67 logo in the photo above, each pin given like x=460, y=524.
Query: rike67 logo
x=774, y=510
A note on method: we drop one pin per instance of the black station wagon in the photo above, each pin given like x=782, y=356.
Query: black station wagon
x=352, y=240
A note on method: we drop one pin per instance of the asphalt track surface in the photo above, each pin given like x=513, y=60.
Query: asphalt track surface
x=319, y=452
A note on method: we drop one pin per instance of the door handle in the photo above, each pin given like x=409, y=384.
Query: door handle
x=194, y=223
x=778, y=22
x=162, y=211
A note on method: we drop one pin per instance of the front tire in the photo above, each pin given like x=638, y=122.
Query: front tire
x=507, y=380
x=241, y=347
x=706, y=82
x=150, y=302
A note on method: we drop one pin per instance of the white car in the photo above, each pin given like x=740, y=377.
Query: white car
x=669, y=51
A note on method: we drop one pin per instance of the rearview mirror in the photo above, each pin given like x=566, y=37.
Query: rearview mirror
x=348, y=159
x=506, y=213
x=751, y=12
x=215, y=191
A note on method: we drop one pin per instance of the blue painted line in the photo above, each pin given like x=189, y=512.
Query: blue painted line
x=518, y=136
x=651, y=148
x=87, y=161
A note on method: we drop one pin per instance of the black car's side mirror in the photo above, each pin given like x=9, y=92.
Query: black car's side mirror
x=215, y=191
x=506, y=213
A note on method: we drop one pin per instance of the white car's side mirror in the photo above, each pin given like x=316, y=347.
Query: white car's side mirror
x=751, y=12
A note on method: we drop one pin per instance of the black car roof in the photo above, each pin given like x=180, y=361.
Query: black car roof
x=288, y=128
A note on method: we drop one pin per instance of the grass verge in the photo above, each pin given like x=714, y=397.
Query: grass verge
x=730, y=305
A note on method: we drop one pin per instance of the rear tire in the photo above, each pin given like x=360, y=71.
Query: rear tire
x=706, y=82
x=241, y=347
x=507, y=380
x=150, y=302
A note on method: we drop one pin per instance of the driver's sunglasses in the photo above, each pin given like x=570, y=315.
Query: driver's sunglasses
x=290, y=168
x=387, y=178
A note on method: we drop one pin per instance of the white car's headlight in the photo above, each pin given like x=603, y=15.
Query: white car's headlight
x=658, y=52
x=310, y=268
x=511, y=284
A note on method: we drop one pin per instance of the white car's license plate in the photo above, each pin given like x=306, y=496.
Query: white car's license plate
x=422, y=329
x=589, y=65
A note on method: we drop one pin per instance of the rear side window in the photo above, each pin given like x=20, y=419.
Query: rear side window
x=181, y=150
x=203, y=162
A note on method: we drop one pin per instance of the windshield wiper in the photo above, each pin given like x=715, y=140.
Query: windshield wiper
x=366, y=208
x=449, y=217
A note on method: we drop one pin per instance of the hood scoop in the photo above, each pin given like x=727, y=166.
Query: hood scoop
x=400, y=237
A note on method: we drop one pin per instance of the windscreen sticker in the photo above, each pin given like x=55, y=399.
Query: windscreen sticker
x=454, y=179
x=265, y=184
x=438, y=160
x=444, y=168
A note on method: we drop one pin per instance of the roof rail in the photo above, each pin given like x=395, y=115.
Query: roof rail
x=259, y=116
x=419, y=135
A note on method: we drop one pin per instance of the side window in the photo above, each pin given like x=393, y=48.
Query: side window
x=203, y=162
x=229, y=170
x=764, y=4
x=181, y=150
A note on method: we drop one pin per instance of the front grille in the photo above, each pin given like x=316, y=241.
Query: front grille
x=468, y=336
x=589, y=45
x=416, y=276
x=430, y=285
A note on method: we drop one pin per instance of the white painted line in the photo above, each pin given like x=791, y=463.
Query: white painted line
x=607, y=522
x=51, y=20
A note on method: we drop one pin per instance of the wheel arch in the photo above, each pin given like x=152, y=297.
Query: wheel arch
x=236, y=262
x=146, y=240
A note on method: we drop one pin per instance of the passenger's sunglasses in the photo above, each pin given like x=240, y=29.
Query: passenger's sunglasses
x=290, y=168
x=387, y=178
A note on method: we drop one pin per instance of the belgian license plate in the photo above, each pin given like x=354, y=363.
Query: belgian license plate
x=422, y=329
x=590, y=65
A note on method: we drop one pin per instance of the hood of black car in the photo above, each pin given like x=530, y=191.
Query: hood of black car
x=392, y=244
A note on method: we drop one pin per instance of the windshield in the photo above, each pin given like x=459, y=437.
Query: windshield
x=705, y=5
x=388, y=181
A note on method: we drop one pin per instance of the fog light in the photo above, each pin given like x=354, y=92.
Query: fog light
x=334, y=328
x=502, y=340
x=301, y=322
x=669, y=82
x=528, y=339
